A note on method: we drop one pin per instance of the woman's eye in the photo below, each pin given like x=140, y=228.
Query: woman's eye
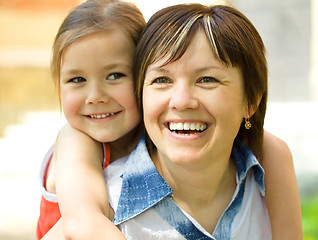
x=114, y=76
x=77, y=80
x=208, y=80
x=161, y=80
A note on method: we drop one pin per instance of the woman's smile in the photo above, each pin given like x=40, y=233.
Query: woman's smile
x=186, y=128
x=197, y=104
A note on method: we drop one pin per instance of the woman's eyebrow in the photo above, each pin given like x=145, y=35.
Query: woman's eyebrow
x=163, y=70
x=207, y=68
x=159, y=69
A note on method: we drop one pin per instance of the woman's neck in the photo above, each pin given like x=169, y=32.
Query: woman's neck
x=203, y=190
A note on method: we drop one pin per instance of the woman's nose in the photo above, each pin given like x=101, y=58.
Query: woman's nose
x=183, y=98
x=96, y=94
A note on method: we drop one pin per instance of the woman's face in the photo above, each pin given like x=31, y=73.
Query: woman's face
x=193, y=107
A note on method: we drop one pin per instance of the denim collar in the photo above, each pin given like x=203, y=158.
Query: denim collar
x=246, y=160
x=143, y=186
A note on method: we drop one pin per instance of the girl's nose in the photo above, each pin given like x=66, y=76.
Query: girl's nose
x=96, y=95
x=183, y=98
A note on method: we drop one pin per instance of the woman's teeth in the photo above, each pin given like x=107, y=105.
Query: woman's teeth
x=99, y=116
x=185, y=126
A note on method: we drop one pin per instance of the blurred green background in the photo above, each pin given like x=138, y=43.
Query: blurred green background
x=309, y=208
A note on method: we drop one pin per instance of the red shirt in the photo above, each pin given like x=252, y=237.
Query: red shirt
x=49, y=210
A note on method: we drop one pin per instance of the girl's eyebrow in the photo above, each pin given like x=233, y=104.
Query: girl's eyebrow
x=117, y=64
x=74, y=70
x=70, y=71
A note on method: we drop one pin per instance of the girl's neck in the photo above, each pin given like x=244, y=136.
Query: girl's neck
x=124, y=145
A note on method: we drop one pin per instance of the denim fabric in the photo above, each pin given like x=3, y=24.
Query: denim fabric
x=245, y=160
x=144, y=188
x=170, y=212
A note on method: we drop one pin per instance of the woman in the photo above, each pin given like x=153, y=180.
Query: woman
x=202, y=81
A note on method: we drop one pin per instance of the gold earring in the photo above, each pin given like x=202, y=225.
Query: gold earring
x=248, y=124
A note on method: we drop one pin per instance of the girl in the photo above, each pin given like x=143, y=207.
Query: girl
x=92, y=65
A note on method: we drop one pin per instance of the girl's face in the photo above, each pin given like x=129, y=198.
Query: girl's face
x=193, y=107
x=97, y=90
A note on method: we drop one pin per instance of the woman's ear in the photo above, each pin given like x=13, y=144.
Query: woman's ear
x=251, y=109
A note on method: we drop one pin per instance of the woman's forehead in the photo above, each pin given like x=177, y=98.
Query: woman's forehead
x=199, y=42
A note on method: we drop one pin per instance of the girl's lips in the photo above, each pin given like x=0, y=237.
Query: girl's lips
x=102, y=115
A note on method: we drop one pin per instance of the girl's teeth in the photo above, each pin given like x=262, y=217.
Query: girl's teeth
x=99, y=116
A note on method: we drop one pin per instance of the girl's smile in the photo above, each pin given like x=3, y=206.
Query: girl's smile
x=97, y=88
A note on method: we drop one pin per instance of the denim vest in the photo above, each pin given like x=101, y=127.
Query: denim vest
x=146, y=210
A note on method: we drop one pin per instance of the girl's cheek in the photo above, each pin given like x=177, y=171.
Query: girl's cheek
x=70, y=102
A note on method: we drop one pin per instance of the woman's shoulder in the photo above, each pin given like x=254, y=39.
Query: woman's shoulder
x=282, y=194
x=275, y=150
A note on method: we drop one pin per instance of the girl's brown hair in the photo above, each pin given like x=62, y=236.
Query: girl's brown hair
x=234, y=40
x=95, y=16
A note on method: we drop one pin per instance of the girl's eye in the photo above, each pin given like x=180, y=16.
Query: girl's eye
x=114, y=76
x=77, y=80
x=208, y=80
x=161, y=80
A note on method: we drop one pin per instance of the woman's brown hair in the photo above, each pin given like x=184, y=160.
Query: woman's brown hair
x=234, y=40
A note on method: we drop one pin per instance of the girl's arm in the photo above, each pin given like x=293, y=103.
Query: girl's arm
x=282, y=196
x=81, y=188
x=56, y=232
